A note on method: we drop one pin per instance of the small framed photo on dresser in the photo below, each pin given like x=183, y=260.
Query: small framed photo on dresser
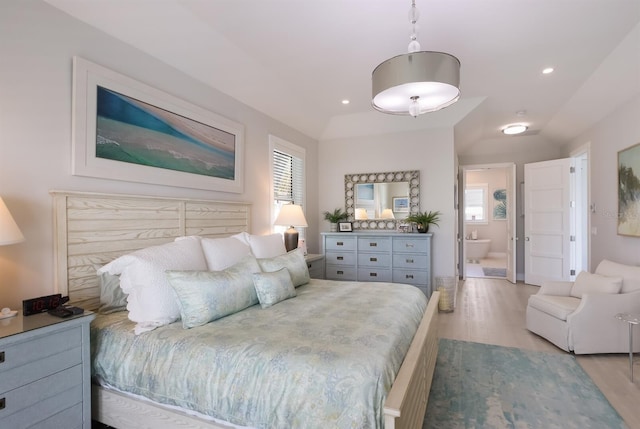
x=345, y=227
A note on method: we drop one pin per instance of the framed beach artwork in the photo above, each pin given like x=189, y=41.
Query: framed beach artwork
x=400, y=204
x=126, y=130
x=629, y=191
x=499, y=204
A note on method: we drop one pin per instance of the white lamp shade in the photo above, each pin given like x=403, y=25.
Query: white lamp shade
x=9, y=231
x=291, y=215
x=387, y=214
x=361, y=214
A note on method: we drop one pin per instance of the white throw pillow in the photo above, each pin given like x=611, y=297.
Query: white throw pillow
x=595, y=283
x=222, y=253
x=151, y=301
x=267, y=246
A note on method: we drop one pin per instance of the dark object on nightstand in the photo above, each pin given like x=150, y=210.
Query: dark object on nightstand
x=65, y=311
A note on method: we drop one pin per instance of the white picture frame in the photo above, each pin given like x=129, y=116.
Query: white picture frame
x=89, y=78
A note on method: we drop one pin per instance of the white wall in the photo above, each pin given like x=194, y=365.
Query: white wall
x=430, y=151
x=38, y=43
x=616, y=132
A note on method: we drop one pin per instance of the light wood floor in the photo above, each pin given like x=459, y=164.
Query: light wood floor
x=492, y=311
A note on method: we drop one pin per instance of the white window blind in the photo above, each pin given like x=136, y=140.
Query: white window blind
x=287, y=177
x=475, y=210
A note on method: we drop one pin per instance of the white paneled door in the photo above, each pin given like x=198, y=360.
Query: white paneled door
x=547, y=221
x=511, y=223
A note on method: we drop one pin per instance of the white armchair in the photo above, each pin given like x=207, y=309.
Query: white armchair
x=580, y=316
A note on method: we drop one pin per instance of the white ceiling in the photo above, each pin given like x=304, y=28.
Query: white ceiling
x=296, y=60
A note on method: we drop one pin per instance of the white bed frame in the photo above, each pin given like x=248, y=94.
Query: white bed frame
x=92, y=229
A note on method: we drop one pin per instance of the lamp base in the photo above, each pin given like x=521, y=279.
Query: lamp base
x=291, y=239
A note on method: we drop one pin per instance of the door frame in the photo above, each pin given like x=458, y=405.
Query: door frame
x=462, y=228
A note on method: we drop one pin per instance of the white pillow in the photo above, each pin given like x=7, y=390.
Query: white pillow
x=595, y=283
x=151, y=301
x=222, y=253
x=263, y=246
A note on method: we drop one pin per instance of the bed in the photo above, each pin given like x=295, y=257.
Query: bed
x=93, y=229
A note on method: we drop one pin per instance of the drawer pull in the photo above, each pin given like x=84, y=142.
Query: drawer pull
x=409, y=261
x=340, y=258
x=340, y=272
x=1, y=357
x=373, y=244
x=373, y=274
x=409, y=245
x=340, y=243
x=409, y=276
x=373, y=259
x=2, y=403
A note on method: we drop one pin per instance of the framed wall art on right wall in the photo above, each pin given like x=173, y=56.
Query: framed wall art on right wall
x=629, y=191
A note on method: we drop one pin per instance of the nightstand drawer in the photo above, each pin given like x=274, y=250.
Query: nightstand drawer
x=38, y=348
x=374, y=244
x=37, y=401
x=411, y=277
x=339, y=243
x=381, y=260
x=316, y=268
x=340, y=273
x=340, y=258
x=374, y=275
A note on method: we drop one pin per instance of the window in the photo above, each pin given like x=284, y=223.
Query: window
x=475, y=203
x=287, y=177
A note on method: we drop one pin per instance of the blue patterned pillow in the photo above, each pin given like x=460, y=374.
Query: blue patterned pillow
x=204, y=296
x=293, y=261
x=273, y=287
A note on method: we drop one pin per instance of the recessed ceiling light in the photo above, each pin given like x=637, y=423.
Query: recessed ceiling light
x=345, y=101
x=514, y=129
x=548, y=70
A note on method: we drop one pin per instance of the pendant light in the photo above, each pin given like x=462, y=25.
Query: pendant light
x=416, y=82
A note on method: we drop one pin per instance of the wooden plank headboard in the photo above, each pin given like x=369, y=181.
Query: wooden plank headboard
x=91, y=229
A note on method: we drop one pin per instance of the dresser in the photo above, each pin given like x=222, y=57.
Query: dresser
x=45, y=372
x=379, y=257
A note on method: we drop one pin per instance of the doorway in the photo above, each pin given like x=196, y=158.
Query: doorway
x=488, y=221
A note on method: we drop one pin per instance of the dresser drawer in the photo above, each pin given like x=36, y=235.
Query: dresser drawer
x=41, y=399
x=413, y=245
x=339, y=243
x=408, y=260
x=340, y=273
x=374, y=244
x=381, y=260
x=340, y=258
x=374, y=275
x=411, y=277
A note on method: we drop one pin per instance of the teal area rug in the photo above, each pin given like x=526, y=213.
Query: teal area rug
x=484, y=386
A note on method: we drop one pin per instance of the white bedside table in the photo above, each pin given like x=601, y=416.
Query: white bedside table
x=315, y=263
x=45, y=371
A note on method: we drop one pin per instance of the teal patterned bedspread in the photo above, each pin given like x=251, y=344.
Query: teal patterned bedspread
x=324, y=359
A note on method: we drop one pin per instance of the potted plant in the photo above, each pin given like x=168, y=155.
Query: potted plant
x=424, y=219
x=334, y=217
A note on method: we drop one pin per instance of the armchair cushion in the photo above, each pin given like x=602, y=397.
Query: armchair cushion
x=595, y=283
x=557, y=306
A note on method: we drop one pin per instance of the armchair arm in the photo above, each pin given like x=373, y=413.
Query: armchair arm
x=593, y=326
x=556, y=288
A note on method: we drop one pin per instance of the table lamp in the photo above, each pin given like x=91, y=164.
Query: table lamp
x=361, y=214
x=291, y=215
x=387, y=214
x=9, y=234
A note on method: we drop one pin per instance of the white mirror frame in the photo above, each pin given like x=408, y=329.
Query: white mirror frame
x=350, y=182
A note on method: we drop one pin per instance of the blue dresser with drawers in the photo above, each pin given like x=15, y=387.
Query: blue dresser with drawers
x=379, y=257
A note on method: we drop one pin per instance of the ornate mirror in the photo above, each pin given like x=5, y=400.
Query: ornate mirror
x=381, y=200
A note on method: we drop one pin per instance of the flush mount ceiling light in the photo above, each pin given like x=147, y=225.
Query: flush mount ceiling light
x=417, y=82
x=514, y=129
